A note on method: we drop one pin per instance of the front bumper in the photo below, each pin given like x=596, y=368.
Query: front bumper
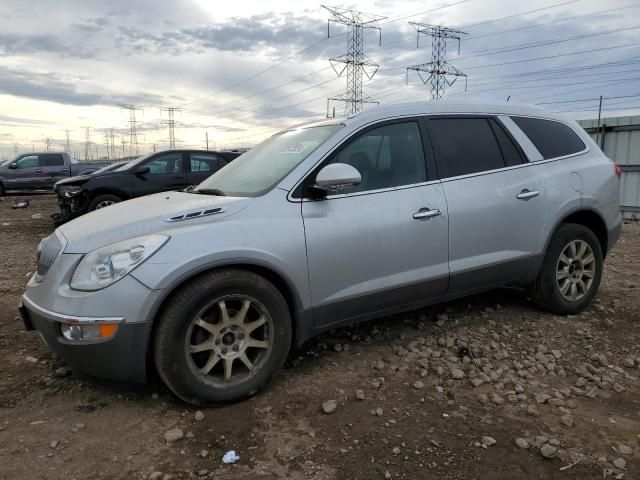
x=122, y=357
x=70, y=208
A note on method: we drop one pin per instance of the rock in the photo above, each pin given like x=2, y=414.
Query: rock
x=379, y=365
x=396, y=450
x=378, y=412
x=457, y=374
x=556, y=353
x=199, y=416
x=625, y=449
x=360, y=395
x=629, y=362
x=387, y=474
x=567, y=420
x=418, y=385
x=497, y=399
x=548, y=451
x=542, y=397
x=31, y=359
x=62, y=372
x=533, y=410
x=620, y=463
x=155, y=476
x=476, y=382
x=173, y=435
x=522, y=443
x=329, y=406
x=618, y=388
x=54, y=444
x=488, y=441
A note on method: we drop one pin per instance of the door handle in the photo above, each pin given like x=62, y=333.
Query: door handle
x=526, y=194
x=426, y=213
x=63, y=169
x=38, y=170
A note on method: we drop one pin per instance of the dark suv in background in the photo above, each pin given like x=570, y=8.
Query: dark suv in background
x=156, y=172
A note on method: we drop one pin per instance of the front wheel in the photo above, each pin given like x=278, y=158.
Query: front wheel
x=571, y=271
x=103, y=201
x=222, y=336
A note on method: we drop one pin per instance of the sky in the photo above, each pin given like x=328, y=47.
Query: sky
x=239, y=71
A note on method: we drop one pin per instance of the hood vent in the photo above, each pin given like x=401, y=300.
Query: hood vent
x=196, y=214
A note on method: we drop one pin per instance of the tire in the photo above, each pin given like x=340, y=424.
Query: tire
x=102, y=201
x=200, y=378
x=557, y=274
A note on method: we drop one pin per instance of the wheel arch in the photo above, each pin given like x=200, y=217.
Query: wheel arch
x=284, y=285
x=588, y=218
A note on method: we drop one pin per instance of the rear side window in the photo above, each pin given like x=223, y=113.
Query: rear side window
x=552, y=139
x=464, y=146
x=204, y=162
x=53, y=160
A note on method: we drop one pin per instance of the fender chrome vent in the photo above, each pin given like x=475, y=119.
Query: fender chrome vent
x=196, y=214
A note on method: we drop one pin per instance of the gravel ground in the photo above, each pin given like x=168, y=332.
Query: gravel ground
x=487, y=387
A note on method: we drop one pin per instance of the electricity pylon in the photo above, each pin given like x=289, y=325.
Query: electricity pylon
x=134, y=148
x=171, y=123
x=438, y=72
x=356, y=64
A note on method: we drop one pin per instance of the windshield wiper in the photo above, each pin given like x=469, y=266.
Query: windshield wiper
x=210, y=191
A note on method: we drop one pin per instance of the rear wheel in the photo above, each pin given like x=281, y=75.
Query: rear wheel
x=222, y=337
x=571, y=271
x=103, y=201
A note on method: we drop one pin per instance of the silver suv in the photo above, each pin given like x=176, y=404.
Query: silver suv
x=323, y=225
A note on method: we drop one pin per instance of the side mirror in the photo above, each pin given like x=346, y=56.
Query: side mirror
x=336, y=176
x=13, y=165
x=143, y=170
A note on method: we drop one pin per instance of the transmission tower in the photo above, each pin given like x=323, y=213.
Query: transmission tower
x=438, y=72
x=355, y=64
x=67, y=146
x=171, y=123
x=134, y=148
x=87, y=143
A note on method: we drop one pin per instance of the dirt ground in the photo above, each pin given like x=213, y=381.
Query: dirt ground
x=408, y=405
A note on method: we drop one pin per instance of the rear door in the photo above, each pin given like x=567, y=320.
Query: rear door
x=166, y=172
x=202, y=166
x=380, y=245
x=53, y=168
x=496, y=202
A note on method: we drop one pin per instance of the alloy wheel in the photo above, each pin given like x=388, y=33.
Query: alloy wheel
x=229, y=339
x=575, y=270
x=105, y=203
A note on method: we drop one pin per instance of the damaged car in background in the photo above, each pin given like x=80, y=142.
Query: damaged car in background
x=153, y=173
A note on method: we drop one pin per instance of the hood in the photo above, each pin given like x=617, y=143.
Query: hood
x=77, y=180
x=150, y=214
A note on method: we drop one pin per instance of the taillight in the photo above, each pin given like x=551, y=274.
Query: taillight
x=617, y=169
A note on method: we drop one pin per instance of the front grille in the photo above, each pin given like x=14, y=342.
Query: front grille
x=48, y=250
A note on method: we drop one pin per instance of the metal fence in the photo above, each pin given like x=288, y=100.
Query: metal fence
x=619, y=138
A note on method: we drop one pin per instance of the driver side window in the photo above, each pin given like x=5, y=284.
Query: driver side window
x=387, y=156
x=29, y=161
x=167, y=163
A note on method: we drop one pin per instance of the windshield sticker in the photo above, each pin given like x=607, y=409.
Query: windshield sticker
x=292, y=148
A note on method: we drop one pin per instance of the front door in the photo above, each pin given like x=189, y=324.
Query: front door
x=496, y=201
x=27, y=174
x=381, y=245
x=166, y=172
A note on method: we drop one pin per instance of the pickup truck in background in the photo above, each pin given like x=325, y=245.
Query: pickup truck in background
x=36, y=171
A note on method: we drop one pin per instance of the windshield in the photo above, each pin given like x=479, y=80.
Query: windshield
x=133, y=163
x=113, y=166
x=258, y=170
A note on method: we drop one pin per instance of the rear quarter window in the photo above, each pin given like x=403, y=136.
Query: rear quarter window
x=552, y=139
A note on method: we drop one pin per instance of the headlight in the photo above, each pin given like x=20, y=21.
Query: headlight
x=107, y=265
x=70, y=192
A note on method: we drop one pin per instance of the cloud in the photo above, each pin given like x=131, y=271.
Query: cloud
x=48, y=86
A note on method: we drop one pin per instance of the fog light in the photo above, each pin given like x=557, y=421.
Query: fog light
x=78, y=332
